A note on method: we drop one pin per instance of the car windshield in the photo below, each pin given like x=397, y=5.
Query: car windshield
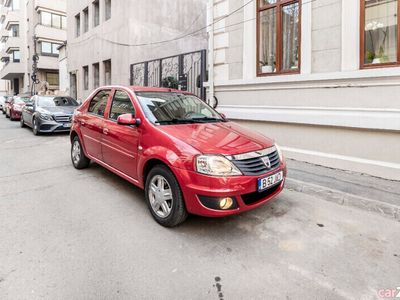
x=56, y=101
x=21, y=100
x=176, y=108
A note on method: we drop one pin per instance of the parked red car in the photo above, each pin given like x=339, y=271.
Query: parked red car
x=187, y=157
x=14, y=107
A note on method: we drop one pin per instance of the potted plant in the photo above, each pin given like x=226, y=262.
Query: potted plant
x=265, y=68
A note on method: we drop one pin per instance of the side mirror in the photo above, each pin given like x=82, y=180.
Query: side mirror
x=223, y=116
x=128, y=120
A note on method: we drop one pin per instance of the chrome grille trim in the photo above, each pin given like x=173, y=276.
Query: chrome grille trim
x=63, y=119
x=254, y=154
x=251, y=164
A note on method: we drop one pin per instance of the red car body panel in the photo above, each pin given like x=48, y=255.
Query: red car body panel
x=127, y=151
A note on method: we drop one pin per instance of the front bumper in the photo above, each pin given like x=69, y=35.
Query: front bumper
x=242, y=188
x=53, y=126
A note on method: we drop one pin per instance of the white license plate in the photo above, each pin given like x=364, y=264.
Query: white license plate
x=265, y=183
x=68, y=125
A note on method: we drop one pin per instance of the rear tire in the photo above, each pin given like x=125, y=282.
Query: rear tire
x=162, y=184
x=78, y=157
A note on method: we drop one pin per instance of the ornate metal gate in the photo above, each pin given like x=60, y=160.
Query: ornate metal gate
x=186, y=72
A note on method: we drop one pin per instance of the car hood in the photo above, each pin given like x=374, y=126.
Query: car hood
x=218, y=138
x=59, y=110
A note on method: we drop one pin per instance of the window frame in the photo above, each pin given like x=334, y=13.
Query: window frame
x=364, y=65
x=107, y=9
x=279, y=37
x=112, y=101
x=96, y=9
x=53, y=73
x=52, y=52
x=78, y=25
x=85, y=14
x=109, y=91
x=16, y=60
x=85, y=77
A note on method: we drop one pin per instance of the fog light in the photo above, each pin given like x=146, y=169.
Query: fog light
x=226, y=203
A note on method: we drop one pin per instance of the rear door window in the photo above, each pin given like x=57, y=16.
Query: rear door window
x=121, y=104
x=98, y=104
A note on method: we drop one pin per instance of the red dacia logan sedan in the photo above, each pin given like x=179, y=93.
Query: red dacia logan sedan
x=187, y=157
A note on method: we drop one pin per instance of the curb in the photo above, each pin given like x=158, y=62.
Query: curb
x=384, y=209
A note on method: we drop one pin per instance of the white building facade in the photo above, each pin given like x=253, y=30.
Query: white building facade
x=32, y=28
x=105, y=37
x=321, y=76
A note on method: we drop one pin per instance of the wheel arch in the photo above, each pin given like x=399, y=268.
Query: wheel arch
x=150, y=164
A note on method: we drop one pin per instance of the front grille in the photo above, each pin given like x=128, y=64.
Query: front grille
x=255, y=197
x=63, y=119
x=254, y=166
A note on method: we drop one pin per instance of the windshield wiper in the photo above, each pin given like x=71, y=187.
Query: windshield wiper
x=176, y=121
x=207, y=119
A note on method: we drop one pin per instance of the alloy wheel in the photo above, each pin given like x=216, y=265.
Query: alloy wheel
x=160, y=195
x=76, y=153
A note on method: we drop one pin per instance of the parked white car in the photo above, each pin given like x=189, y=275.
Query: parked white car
x=2, y=101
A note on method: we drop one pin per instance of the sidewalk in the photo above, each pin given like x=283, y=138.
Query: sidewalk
x=346, y=188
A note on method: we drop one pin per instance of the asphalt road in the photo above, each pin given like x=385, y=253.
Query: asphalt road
x=68, y=234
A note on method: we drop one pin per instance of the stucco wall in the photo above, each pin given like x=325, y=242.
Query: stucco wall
x=332, y=113
x=134, y=23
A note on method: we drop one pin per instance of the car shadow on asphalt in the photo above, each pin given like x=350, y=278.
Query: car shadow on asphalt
x=198, y=225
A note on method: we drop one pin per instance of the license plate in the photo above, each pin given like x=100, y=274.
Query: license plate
x=267, y=182
x=68, y=125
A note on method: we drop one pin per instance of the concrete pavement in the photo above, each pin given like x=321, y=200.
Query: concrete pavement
x=68, y=234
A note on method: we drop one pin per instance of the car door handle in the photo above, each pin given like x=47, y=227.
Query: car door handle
x=83, y=123
x=105, y=131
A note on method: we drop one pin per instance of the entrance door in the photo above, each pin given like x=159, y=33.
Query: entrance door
x=16, y=86
x=73, y=84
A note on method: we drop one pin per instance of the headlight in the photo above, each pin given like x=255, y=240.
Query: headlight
x=46, y=117
x=216, y=165
x=279, y=152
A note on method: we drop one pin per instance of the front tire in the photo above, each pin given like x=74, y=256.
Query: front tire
x=22, y=123
x=164, y=197
x=35, y=127
x=78, y=157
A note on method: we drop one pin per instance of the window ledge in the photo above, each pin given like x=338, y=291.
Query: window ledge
x=303, y=78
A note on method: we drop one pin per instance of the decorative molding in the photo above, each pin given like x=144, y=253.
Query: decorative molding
x=363, y=118
x=358, y=78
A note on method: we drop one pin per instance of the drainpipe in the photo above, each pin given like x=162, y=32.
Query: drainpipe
x=211, y=51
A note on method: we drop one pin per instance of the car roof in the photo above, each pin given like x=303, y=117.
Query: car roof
x=136, y=88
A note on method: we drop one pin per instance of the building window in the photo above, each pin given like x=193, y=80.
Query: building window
x=96, y=13
x=49, y=48
x=380, y=37
x=77, y=25
x=64, y=22
x=14, y=5
x=14, y=30
x=96, y=75
x=53, y=20
x=278, y=41
x=52, y=78
x=107, y=10
x=107, y=72
x=86, y=20
x=45, y=18
x=16, y=56
x=86, y=77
